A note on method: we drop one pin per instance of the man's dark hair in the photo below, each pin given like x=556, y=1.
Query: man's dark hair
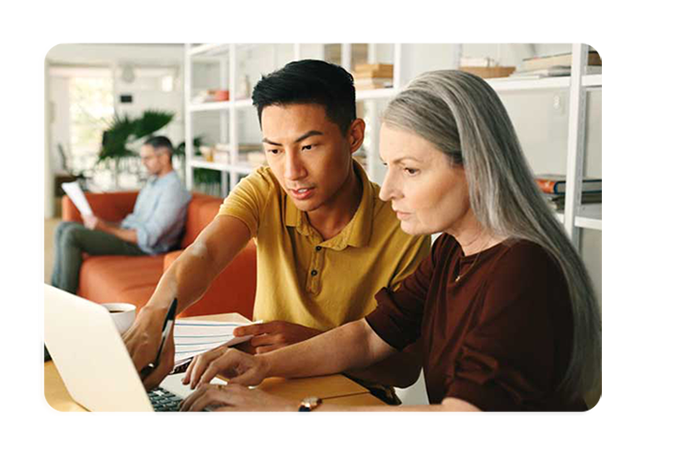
x=310, y=82
x=159, y=142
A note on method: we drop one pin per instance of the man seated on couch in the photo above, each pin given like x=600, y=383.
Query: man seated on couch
x=155, y=226
x=326, y=243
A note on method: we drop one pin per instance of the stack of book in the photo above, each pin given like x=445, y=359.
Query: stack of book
x=614, y=56
x=484, y=67
x=373, y=76
x=596, y=191
x=555, y=65
x=252, y=153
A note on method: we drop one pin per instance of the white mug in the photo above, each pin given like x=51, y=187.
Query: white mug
x=123, y=315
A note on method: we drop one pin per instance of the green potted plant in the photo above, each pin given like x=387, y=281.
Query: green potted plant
x=118, y=144
x=118, y=139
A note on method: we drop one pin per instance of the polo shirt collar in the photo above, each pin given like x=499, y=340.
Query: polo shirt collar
x=356, y=233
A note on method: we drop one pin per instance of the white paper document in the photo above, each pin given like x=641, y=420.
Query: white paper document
x=194, y=337
x=75, y=193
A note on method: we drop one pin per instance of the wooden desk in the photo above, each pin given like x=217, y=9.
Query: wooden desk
x=336, y=386
x=55, y=391
x=343, y=390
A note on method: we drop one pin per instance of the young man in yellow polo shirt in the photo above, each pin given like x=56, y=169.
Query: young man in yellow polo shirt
x=326, y=243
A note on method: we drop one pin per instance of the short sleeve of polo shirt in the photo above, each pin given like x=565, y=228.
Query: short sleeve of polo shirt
x=247, y=201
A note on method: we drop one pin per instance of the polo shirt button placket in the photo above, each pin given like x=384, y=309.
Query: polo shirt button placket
x=314, y=272
x=314, y=278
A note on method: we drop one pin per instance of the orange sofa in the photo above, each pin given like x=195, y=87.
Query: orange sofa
x=117, y=278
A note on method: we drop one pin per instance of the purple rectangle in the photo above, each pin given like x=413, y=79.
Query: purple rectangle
x=19, y=111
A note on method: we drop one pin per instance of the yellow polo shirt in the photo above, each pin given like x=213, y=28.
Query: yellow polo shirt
x=308, y=281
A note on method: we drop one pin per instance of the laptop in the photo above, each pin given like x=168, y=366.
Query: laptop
x=93, y=361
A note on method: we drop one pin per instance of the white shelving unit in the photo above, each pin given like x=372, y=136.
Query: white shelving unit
x=648, y=217
x=225, y=53
x=580, y=84
x=671, y=217
x=606, y=217
x=503, y=84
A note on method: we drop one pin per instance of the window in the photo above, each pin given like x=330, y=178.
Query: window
x=91, y=109
x=82, y=100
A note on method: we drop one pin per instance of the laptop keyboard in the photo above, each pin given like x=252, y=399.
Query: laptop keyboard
x=163, y=400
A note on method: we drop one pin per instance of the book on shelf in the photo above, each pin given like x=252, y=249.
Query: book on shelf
x=253, y=158
x=470, y=61
x=543, y=62
x=220, y=153
x=484, y=67
x=252, y=154
x=374, y=70
x=555, y=71
x=597, y=191
x=488, y=72
x=373, y=76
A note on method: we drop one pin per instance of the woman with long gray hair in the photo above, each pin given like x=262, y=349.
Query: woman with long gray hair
x=503, y=306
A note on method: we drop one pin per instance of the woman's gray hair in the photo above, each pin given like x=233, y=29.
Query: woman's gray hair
x=464, y=118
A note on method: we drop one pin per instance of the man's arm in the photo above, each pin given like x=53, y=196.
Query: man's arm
x=187, y=279
x=96, y=223
x=124, y=234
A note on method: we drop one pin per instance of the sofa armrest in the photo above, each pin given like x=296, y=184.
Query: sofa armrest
x=113, y=207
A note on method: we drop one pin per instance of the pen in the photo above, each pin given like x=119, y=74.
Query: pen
x=167, y=326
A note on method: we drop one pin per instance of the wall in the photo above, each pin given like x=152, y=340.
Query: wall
x=148, y=61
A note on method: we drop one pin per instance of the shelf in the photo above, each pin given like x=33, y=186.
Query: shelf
x=239, y=168
x=201, y=164
x=508, y=84
x=209, y=48
x=223, y=105
x=243, y=168
x=243, y=103
x=374, y=94
x=646, y=81
x=640, y=217
x=210, y=106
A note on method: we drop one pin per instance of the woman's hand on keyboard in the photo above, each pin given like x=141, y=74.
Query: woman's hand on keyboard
x=229, y=364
